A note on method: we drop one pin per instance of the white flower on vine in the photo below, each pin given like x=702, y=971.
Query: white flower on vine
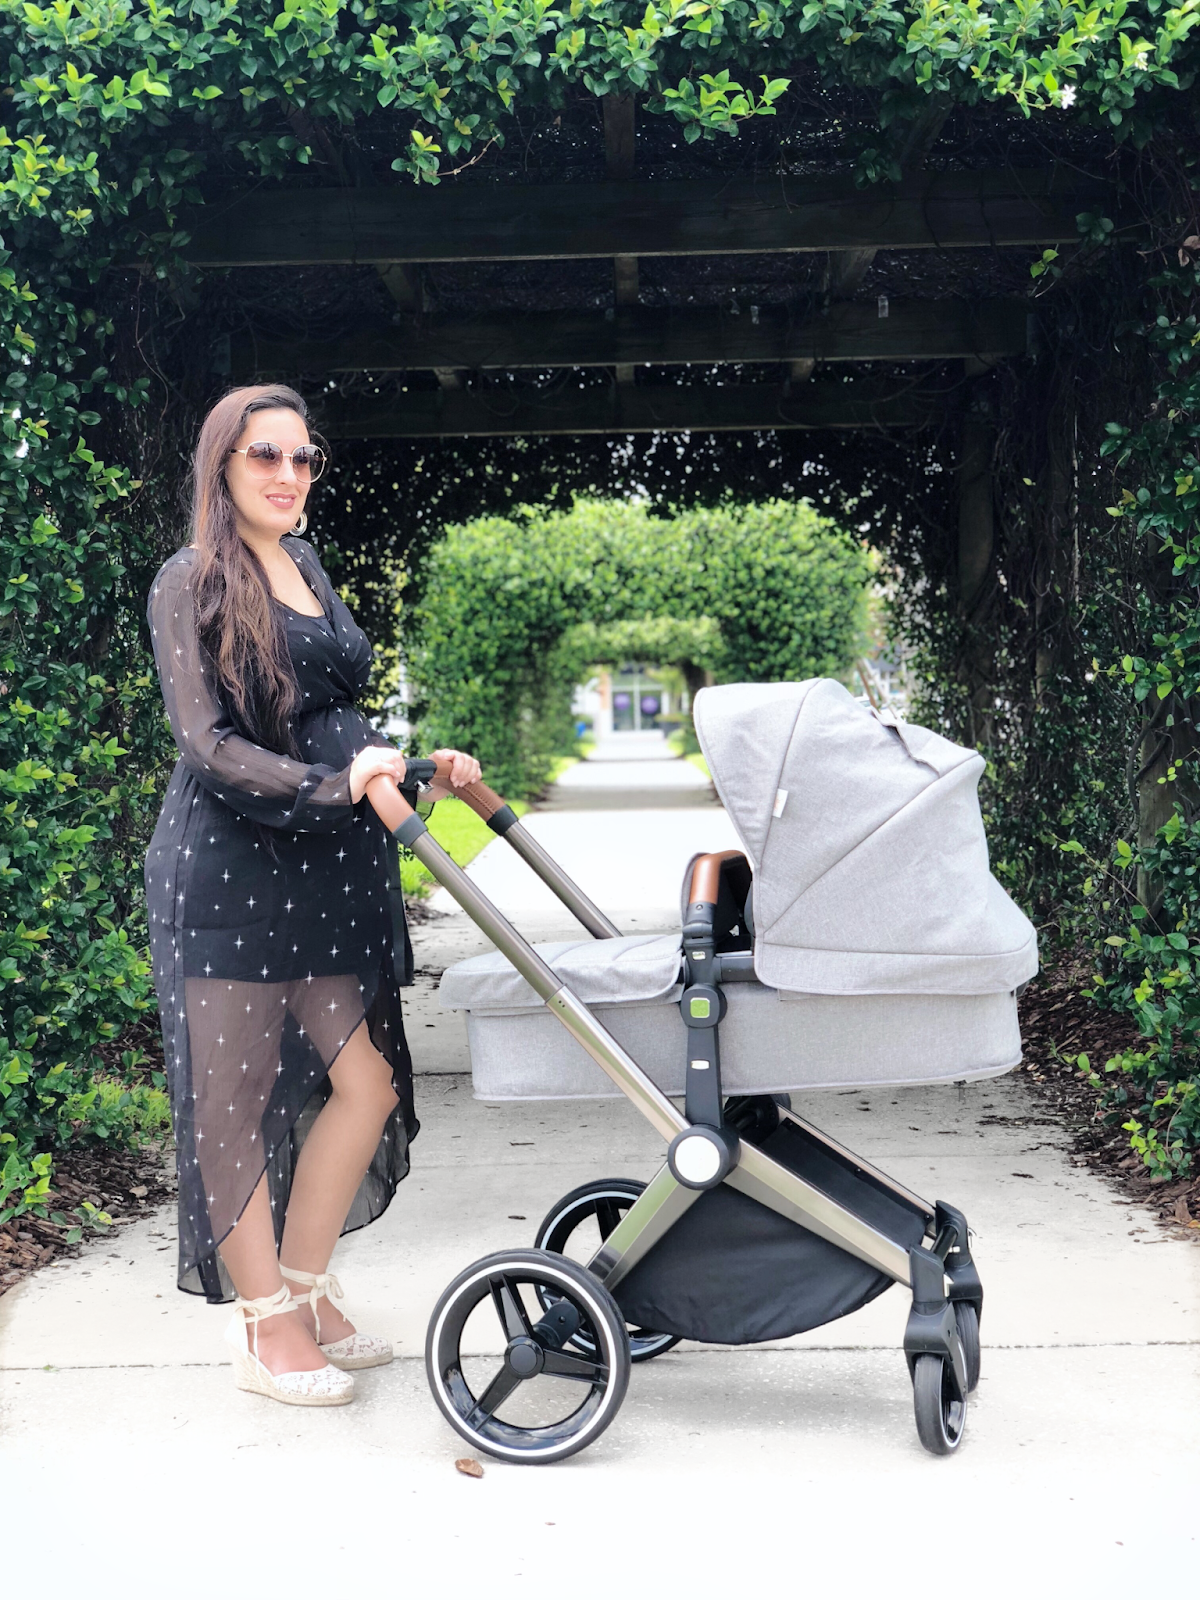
x=1141, y=60
x=1067, y=97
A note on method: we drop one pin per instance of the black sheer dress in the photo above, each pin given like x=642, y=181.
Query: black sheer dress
x=276, y=923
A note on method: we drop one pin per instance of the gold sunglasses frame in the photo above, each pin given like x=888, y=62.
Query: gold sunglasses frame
x=287, y=456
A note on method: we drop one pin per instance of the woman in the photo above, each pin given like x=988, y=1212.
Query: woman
x=276, y=950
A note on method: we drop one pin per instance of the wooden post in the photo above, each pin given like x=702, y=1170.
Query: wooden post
x=1049, y=599
x=620, y=135
x=976, y=542
x=620, y=142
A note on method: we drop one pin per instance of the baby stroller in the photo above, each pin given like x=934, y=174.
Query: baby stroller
x=859, y=938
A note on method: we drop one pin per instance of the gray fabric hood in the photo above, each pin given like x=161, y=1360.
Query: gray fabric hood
x=870, y=862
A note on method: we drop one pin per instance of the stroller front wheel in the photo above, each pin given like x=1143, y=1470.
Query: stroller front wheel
x=581, y=1221
x=941, y=1415
x=966, y=1318
x=543, y=1393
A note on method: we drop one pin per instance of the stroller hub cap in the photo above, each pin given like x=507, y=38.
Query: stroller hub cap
x=524, y=1356
x=699, y=1157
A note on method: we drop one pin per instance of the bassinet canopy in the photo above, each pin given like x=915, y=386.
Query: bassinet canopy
x=870, y=862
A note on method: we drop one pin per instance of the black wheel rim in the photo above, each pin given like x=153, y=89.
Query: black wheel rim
x=474, y=1390
x=954, y=1410
x=607, y=1203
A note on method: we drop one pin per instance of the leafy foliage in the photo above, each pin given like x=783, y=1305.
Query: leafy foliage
x=494, y=650
x=694, y=644
x=1154, y=960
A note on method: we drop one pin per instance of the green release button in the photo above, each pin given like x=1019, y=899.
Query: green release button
x=700, y=1007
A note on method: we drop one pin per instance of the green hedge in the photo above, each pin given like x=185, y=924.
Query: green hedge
x=492, y=645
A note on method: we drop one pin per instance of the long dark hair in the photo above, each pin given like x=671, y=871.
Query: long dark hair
x=238, y=624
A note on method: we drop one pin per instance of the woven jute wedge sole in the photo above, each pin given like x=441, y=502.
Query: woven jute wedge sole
x=254, y=1378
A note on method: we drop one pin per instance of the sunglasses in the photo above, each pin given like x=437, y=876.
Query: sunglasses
x=264, y=459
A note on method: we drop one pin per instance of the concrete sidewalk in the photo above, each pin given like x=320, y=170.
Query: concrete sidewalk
x=783, y=1467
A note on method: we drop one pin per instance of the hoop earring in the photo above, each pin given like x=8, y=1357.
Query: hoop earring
x=301, y=527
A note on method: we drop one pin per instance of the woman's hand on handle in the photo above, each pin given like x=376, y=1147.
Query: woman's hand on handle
x=464, y=770
x=374, y=761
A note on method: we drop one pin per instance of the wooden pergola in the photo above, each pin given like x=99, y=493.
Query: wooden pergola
x=400, y=231
x=824, y=355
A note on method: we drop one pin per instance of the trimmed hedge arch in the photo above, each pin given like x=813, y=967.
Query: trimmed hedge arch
x=494, y=647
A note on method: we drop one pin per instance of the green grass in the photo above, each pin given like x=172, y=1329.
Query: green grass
x=460, y=833
x=561, y=764
x=698, y=760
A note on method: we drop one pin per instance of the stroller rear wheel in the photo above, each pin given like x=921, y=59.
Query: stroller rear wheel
x=603, y=1203
x=540, y=1398
x=941, y=1416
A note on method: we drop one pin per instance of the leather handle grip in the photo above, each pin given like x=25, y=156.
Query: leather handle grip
x=484, y=802
x=706, y=877
x=393, y=809
x=385, y=797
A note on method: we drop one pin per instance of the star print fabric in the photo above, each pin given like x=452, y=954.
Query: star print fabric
x=276, y=928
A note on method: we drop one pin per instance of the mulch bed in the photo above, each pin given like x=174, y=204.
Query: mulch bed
x=1057, y=1021
x=124, y=1183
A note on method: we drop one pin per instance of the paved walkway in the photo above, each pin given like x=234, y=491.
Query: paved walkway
x=630, y=771
x=129, y=1460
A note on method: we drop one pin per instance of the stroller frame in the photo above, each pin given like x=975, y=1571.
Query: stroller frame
x=704, y=1149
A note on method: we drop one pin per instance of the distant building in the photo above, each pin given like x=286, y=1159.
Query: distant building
x=633, y=699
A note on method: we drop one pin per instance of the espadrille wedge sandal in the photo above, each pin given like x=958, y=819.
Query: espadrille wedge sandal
x=326, y=1386
x=356, y=1350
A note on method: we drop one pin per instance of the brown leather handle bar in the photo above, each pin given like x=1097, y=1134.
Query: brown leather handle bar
x=383, y=795
x=393, y=809
x=484, y=802
x=706, y=876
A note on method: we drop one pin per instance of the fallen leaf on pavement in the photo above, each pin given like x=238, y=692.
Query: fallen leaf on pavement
x=469, y=1467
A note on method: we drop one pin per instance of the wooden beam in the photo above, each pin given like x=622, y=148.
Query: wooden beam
x=657, y=408
x=730, y=216
x=915, y=330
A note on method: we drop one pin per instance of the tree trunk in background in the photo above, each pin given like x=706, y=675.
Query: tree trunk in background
x=1053, y=590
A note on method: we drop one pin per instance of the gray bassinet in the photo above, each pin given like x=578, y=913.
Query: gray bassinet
x=884, y=950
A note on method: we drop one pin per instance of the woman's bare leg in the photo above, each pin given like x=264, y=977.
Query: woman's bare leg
x=284, y=1343
x=332, y=1163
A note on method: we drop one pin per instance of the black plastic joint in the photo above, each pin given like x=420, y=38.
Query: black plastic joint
x=411, y=828
x=927, y=1275
x=961, y=1271
x=699, y=1157
x=932, y=1328
x=698, y=924
x=501, y=821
